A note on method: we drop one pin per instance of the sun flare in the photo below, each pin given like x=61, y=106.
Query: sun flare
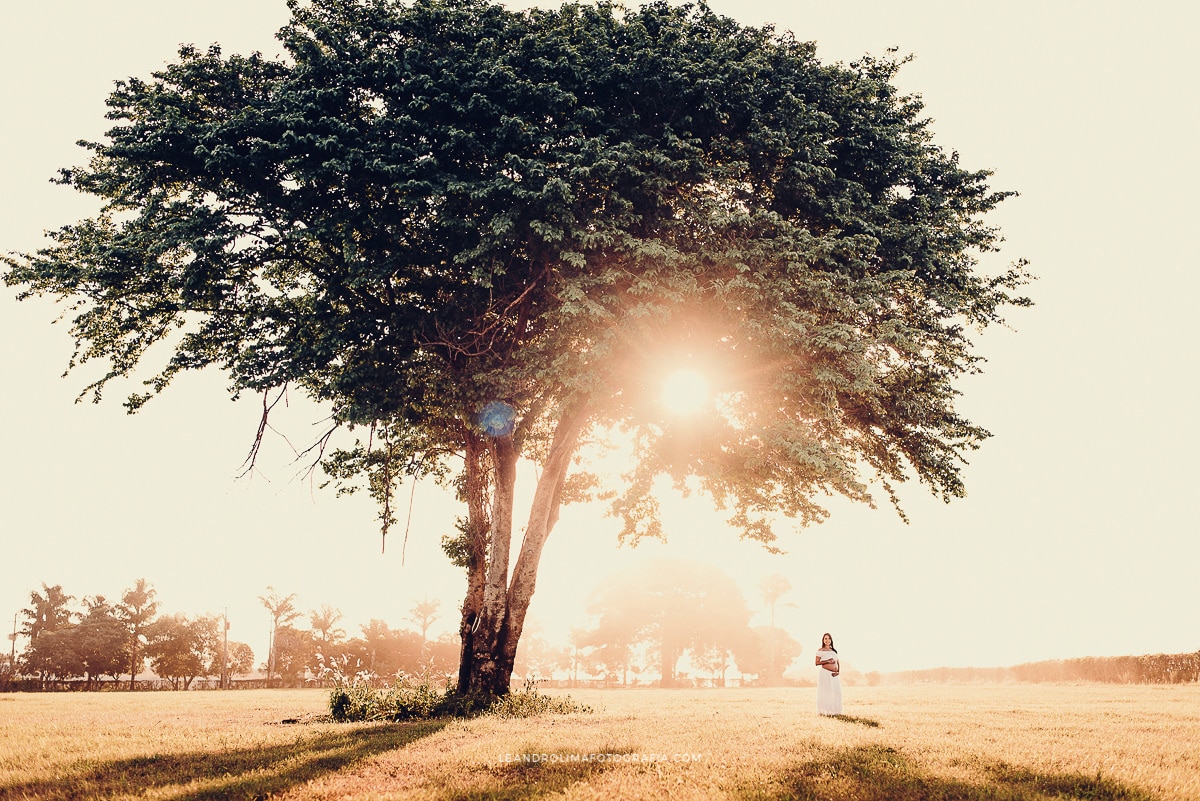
x=686, y=391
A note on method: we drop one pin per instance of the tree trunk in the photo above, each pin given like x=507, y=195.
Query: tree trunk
x=496, y=603
x=668, y=664
x=133, y=659
x=475, y=494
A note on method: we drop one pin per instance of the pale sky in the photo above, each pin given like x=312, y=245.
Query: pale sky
x=1079, y=534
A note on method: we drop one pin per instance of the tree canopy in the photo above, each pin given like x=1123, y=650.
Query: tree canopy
x=425, y=207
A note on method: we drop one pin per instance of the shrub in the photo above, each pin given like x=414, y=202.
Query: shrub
x=407, y=699
x=529, y=702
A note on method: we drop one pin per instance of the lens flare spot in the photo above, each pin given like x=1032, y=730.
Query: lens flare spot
x=686, y=392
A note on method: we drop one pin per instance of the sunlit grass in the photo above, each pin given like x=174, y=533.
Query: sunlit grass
x=939, y=742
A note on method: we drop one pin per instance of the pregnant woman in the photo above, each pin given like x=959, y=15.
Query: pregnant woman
x=829, y=689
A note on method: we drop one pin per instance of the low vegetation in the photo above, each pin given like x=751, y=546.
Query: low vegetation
x=408, y=699
x=1012, y=743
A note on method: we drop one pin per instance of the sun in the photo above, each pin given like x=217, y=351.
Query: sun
x=686, y=391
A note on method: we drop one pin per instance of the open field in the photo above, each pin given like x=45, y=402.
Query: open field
x=1132, y=743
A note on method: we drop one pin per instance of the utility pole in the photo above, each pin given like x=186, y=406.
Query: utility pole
x=225, y=651
x=271, y=653
x=13, y=654
x=774, y=644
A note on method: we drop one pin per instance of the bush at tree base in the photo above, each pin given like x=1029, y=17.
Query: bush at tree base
x=406, y=700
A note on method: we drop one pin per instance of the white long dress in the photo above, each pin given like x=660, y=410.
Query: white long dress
x=829, y=687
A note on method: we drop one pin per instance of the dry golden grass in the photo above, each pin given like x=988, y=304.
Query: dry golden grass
x=981, y=742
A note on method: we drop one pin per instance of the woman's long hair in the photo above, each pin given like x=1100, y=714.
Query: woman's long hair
x=830, y=636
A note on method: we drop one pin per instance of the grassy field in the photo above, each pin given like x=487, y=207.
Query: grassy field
x=981, y=742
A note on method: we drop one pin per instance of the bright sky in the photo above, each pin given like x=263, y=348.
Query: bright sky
x=1078, y=537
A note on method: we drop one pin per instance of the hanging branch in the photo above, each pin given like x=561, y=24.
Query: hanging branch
x=268, y=405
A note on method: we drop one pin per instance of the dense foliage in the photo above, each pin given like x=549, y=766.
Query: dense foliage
x=426, y=207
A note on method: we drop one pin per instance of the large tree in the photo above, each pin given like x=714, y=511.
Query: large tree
x=477, y=235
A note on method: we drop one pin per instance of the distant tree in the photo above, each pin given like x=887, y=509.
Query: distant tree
x=324, y=626
x=386, y=652
x=47, y=614
x=609, y=649
x=8, y=671
x=137, y=610
x=613, y=658
x=679, y=604
x=583, y=648
x=713, y=659
x=283, y=611
x=477, y=233
x=768, y=654
x=440, y=656
x=241, y=659
x=295, y=653
x=48, y=611
x=423, y=614
x=772, y=588
x=101, y=641
x=181, y=649
x=52, y=656
x=537, y=657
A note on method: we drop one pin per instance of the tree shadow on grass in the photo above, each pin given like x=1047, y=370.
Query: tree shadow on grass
x=868, y=722
x=250, y=773
x=527, y=780
x=879, y=773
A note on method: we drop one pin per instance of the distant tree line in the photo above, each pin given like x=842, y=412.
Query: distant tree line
x=323, y=653
x=644, y=623
x=646, y=620
x=98, y=644
x=1147, y=669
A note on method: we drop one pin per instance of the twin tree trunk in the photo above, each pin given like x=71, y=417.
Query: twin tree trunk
x=493, y=614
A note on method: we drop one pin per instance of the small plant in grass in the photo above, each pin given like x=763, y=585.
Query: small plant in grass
x=355, y=696
x=528, y=702
x=352, y=697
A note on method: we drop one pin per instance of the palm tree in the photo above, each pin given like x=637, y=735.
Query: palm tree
x=324, y=622
x=136, y=610
x=47, y=612
x=423, y=614
x=772, y=588
x=283, y=610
